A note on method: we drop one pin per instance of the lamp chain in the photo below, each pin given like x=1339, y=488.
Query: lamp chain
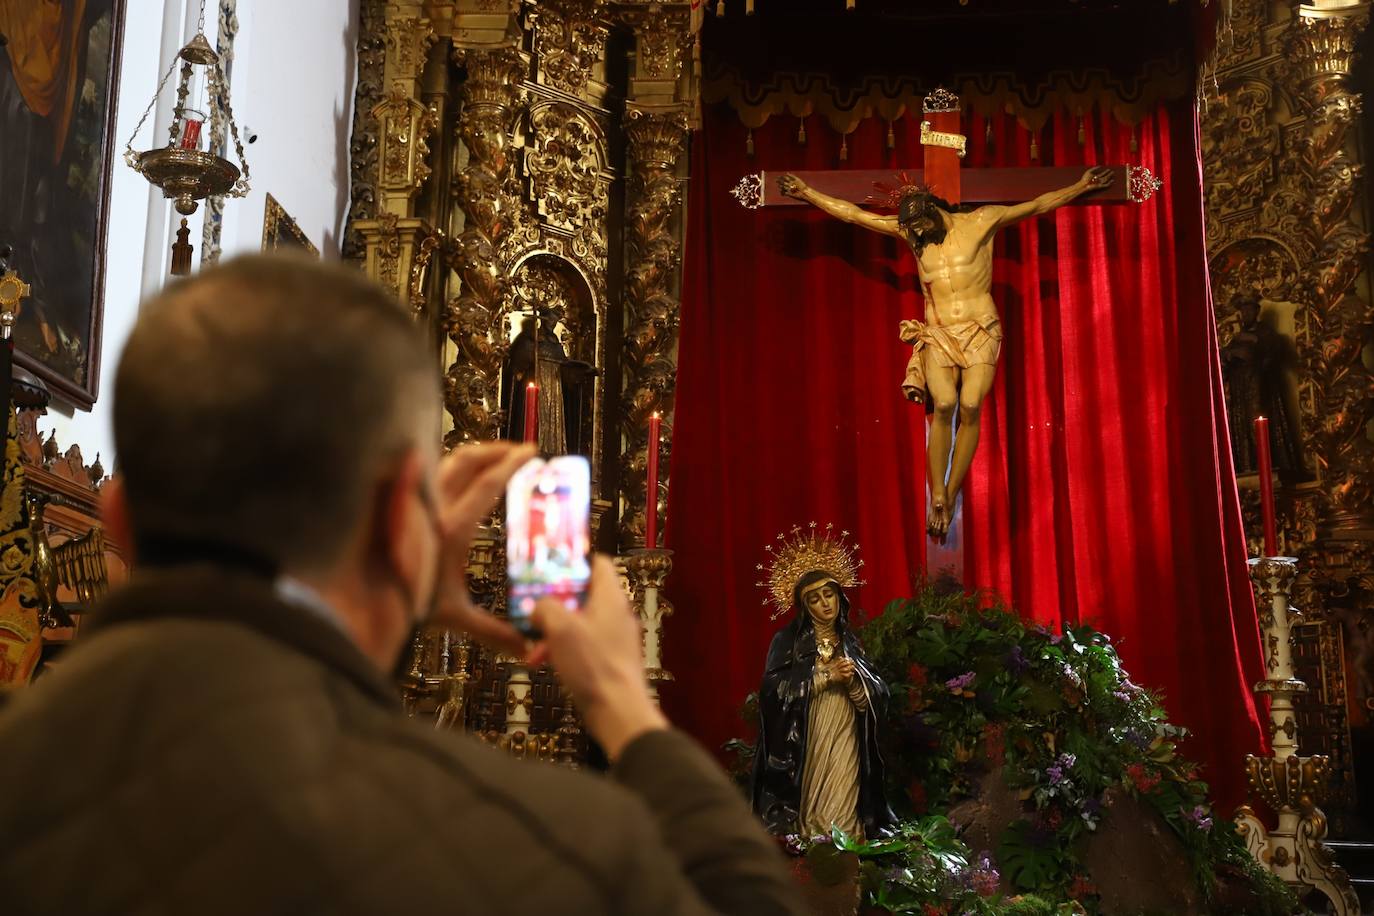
x=200, y=23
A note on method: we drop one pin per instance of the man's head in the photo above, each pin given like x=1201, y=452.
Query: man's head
x=921, y=218
x=282, y=410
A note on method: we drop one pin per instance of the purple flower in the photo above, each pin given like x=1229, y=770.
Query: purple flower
x=1092, y=807
x=1122, y=695
x=1056, y=770
x=1016, y=661
x=1200, y=818
x=961, y=683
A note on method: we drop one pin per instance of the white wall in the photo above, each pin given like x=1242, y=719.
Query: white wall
x=294, y=72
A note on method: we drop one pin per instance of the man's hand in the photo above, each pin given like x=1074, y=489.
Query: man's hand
x=792, y=186
x=470, y=479
x=842, y=670
x=597, y=653
x=1097, y=178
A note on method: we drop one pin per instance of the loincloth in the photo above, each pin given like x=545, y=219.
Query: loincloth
x=976, y=342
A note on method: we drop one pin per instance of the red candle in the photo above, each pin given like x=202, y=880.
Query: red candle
x=190, y=134
x=532, y=412
x=651, y=498
x=1266, y=480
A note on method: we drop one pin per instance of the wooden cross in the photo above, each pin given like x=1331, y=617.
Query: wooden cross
x=943, y=146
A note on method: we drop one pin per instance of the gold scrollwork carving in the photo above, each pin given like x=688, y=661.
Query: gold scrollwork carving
x=652, y=253
x=473, y=320
x=566, y=166
x=408, y=40
x=569, y=40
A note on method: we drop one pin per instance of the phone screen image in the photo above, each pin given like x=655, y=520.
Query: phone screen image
x=548, y=535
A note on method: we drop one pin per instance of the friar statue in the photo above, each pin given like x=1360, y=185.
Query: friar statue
x=1257, y=366
x=536, y=355
x=817, y=763
x=955, y=350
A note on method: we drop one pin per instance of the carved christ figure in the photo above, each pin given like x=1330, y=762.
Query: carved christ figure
x=954, y=351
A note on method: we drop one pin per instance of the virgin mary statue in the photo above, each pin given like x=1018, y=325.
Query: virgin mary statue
x=817, y=764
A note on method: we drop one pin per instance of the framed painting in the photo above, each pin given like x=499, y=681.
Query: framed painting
x=281, y=232
x=59, y=87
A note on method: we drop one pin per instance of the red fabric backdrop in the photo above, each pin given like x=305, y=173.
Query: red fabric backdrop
x=1102, y=491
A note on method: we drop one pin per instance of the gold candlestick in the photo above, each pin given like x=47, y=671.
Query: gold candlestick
x=646, y=570
x=1291, y=784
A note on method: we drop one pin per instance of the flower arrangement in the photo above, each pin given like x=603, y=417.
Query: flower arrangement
x=978, y=694
x=977, y=690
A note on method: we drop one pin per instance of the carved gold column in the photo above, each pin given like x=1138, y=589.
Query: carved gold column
x=655, y=125
x=1293, y=785
x=489, y=99
x=653, y=258
x=1321, y=42
x=403, y=125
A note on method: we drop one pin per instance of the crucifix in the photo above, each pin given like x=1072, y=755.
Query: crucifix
x=955, y=350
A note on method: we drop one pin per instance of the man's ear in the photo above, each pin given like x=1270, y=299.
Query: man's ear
x=114, y=512
x=397, y=501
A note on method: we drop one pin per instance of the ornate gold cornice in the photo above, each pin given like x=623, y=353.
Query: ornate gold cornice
x=804, y=95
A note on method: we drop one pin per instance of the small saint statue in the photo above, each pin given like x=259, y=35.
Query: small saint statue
x=1257, y=366
x=817, y=764
x=537, y=356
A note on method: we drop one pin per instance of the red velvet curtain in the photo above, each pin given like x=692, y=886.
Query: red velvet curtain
x=1103, y=490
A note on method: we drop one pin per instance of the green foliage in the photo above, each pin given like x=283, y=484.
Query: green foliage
x=922, y=868
x=975, y=689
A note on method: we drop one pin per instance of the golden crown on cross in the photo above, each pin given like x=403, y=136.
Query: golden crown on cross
x=802, y=550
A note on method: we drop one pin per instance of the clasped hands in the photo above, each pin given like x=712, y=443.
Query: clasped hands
x=840, y=671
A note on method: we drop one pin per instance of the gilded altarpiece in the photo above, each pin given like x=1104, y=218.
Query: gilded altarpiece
x=1286, y=220
x=512, y=156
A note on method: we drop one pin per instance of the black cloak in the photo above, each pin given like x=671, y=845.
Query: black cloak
x=784, y=704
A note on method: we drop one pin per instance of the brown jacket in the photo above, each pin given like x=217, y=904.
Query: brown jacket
x=209, y=749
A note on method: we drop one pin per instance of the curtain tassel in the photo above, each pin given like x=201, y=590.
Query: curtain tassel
x=987, y=134
x=1082, y=132
x=749, y=143
x=891, y=136
x=720, y=7
x=1035, y=148
x=844, y=147
x=1135, y=141
x=748, y=7
x=801, y=131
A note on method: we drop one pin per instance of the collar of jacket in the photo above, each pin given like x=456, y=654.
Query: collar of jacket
x=208, y=592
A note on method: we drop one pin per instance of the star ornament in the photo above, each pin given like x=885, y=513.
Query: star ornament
x=800, y=551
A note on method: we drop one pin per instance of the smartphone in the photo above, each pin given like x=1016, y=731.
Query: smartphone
x=548, y=536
